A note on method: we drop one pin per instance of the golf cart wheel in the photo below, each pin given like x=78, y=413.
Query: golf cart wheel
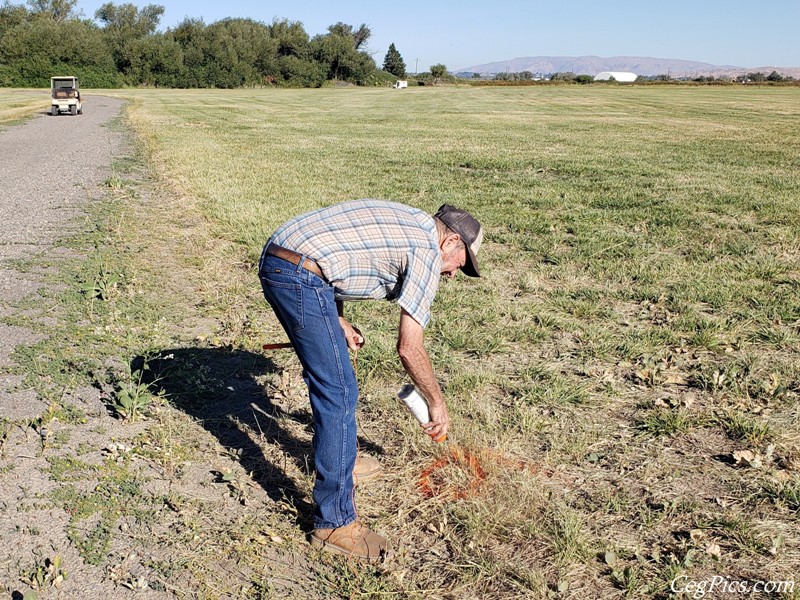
x=54, y=111
x=73, y=110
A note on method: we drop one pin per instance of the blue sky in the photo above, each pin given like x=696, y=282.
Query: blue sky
x=468, y=32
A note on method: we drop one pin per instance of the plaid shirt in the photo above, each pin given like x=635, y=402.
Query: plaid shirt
x=371, y=249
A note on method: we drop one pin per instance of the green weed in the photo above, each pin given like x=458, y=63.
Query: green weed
x=628, y=579
x=94, y=513
x=68, y=468
x=133, y=396
x=783, y=493
x=346, y=580
x=567, y=536
x=666, y=422
x=102, y=286
x=47, y=574
x=745, y=427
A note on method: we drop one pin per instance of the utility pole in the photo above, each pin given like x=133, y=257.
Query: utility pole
x=416, y=65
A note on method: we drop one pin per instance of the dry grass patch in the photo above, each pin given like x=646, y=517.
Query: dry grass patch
x=18, y=104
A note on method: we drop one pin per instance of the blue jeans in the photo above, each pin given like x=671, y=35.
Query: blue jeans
x=306, y=308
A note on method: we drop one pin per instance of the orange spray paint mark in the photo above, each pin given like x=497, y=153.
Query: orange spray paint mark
x=466, y=476
x=459, y=473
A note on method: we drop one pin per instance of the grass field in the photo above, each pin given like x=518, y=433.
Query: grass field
x=623, y=381
x=18, y=104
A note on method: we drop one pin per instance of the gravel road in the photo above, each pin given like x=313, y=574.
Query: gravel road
x=50, y=167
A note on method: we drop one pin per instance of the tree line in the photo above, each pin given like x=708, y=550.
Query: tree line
x=122, y=46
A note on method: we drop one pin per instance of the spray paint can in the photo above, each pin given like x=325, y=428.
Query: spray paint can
x=418, y=406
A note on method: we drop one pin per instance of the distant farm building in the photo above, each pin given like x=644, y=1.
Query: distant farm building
x=621, y=76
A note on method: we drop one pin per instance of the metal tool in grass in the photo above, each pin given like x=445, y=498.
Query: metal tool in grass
x=279, y=346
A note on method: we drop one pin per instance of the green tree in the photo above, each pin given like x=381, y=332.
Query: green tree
x=156, y=60
x=438, y=71
x=36, y=48
x=339, y=53
x=57, y=10
x=335, y=52
x=129, y=20
x=359, y=36
x=291, y=38
x=296, y=72
x=393, y=62
x=774, y=76
x=190, y=35
x=239, y=52
x=563, y=76
x=296, y=66
x=123, y=24
x=11, y=16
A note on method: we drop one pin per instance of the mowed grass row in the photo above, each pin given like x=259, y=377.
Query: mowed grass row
x=16, y=104
x=636, y=329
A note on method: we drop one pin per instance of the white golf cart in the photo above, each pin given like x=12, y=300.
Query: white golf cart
x=65, y=96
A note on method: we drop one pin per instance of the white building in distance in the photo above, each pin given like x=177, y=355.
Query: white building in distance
x=621, y=76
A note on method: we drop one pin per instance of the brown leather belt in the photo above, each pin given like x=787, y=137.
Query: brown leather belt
x=295, y=258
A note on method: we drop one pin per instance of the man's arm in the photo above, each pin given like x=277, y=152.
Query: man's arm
x=417, y=364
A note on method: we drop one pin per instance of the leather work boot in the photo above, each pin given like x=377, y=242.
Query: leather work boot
x=366, y=468
x=355, y=540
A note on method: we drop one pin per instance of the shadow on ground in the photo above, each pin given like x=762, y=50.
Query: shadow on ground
x=220, y=388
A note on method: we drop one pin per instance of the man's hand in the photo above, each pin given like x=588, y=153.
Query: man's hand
x=352, y=334
x=440, y=422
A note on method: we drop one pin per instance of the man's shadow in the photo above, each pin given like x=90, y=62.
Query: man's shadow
x=219, y=387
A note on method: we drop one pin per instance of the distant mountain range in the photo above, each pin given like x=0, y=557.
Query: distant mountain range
x=592, y=65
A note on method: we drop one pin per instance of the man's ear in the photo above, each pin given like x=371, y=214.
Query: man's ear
x=451, y=240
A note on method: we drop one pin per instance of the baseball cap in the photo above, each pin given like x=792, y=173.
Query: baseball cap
x=471, y=232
